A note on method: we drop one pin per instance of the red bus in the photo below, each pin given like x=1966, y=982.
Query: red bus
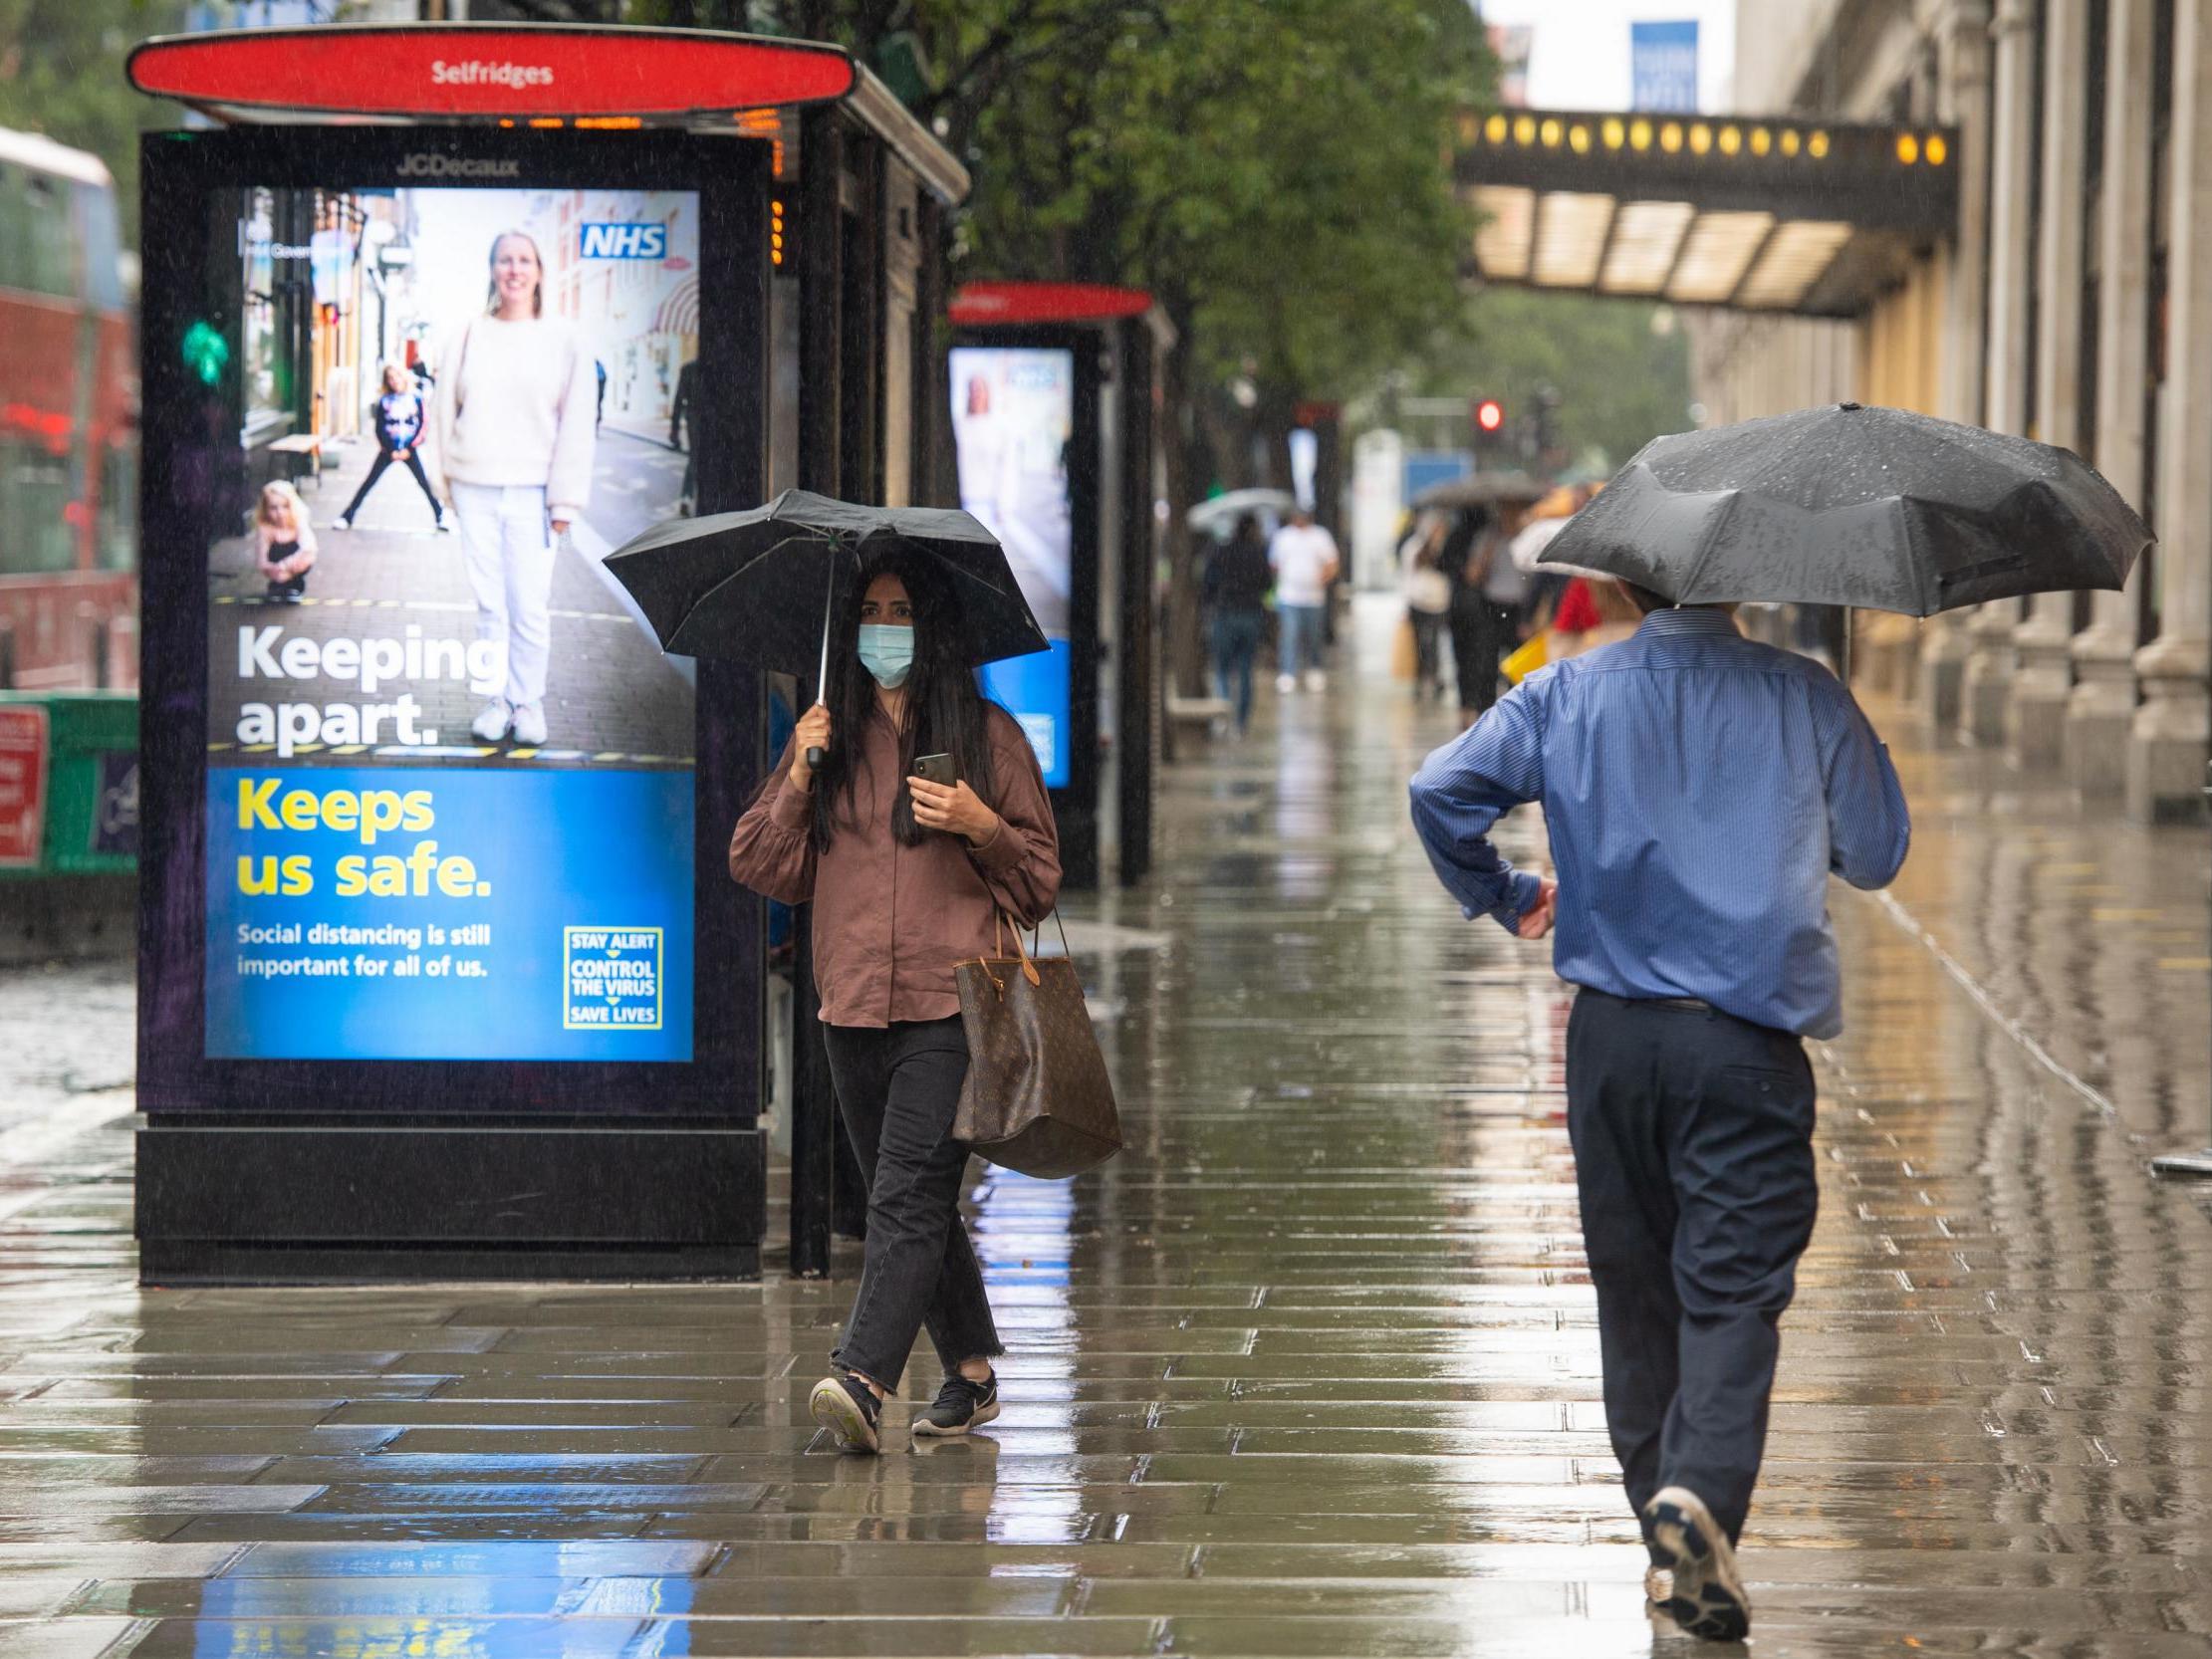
x=69, y=395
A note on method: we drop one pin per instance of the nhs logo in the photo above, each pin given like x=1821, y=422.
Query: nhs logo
x=626, y=242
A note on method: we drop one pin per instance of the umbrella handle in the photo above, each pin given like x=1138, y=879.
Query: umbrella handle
x=821, y=678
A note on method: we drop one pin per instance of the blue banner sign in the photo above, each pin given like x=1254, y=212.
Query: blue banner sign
x=463, y=913
x=1663, y=57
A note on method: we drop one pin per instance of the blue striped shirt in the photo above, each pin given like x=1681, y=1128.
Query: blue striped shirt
x=1699, y=789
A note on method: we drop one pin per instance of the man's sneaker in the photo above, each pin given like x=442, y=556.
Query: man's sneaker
x=491, y=725
x=445, y=525
x=1706, y=1598
x=342, y=522
x=848, y=1409
x=530, y=724
x=1286, y=683
x=962, y=1405
x=1316, y=680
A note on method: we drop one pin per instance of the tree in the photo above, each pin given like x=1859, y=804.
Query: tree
x=61, y=74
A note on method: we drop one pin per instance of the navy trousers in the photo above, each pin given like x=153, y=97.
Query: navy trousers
x=1693, y=1154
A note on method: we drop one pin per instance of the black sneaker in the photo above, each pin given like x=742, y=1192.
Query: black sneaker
x=848, y=1409
x=1706, y=1598
x=962, y=1405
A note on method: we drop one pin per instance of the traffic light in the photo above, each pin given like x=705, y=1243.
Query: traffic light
x=1490, y=422
x=206, y=352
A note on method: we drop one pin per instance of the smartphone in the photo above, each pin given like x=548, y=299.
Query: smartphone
x=937, y=768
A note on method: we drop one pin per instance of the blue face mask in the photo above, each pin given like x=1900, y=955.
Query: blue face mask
x=887, y=652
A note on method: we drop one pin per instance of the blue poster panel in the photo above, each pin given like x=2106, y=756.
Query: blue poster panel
x=1663, y=65
x=449, y=771
x=1013, y=415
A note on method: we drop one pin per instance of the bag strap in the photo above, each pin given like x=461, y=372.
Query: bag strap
x=1029, y=964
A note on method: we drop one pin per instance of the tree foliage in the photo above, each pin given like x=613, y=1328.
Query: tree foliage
x=1622, y=381
x=61, y=74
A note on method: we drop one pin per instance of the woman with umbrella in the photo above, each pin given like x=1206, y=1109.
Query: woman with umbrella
x=908, y=874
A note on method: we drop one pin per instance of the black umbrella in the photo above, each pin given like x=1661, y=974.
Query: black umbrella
x=761, y=585
x=1483, y=489
x=1853, y=506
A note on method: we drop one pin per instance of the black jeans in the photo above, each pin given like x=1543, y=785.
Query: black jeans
x=1481, y=633
x=1693, y=1154
x=377, y=469
x=1428, y=643
x=897, y=1090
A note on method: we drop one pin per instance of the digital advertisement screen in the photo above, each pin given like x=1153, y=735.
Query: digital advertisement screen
x=450, y=773
x=1013, y=413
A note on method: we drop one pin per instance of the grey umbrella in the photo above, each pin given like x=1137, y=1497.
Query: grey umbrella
x=1848, y=505
x=1217, y=515
x=1483, y=489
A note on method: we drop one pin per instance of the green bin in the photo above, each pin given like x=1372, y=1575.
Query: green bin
x=89, y=780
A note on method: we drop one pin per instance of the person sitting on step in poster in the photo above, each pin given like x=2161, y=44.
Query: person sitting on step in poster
x=283, y=542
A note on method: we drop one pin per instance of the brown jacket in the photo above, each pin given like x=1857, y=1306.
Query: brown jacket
x=891, y=922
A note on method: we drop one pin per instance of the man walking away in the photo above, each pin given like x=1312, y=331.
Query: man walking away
x=1303, y=558
x=1698, y=790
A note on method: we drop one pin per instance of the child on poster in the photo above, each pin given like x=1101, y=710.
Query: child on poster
x=283, y=542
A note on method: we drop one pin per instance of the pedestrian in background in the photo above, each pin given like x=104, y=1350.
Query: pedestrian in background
x=1477, y=633
x=908, y=877
x=1303, y=558
x=681, y=435
x=401, y=421
x=1428, y=600
x=1234, y=591
x=1698, y=790
x=1593, y=611
x=516, y=424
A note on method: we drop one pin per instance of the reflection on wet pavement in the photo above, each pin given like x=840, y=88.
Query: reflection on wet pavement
x=1311, y=1369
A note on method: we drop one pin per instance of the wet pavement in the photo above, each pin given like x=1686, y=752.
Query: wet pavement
x=1310, y=1369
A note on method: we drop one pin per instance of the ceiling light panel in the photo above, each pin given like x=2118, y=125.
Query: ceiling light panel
x=1643, y=246
x=1717, y=251
x=1570, y=238
x=1501, y=242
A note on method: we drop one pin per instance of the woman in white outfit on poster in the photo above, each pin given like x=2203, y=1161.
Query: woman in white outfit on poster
x=515, y=418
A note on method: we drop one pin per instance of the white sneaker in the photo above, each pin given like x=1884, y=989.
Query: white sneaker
x=491, y=725
x=1316, y=680
x=530, y=725
x=1286, y=683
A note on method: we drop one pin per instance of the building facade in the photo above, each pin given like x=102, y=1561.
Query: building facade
x=2071, y=304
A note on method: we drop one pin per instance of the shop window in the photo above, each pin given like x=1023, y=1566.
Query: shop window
x=36, y=537
x=37, y=233
x=118, y=548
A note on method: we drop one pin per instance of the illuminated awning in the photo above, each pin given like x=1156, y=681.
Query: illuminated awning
x=1801, y=217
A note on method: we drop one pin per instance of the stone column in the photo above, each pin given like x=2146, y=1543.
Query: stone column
x=2173, y=728
x=2035, y=721
x=1990, y=658
x=2102, y=708
x=1964, y=44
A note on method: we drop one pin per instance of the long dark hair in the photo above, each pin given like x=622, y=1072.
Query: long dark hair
x=946, y=711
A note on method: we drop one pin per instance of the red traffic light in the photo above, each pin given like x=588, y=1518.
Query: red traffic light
x=1490, y=414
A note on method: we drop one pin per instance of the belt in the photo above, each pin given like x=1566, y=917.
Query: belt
x=1686, y=1005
